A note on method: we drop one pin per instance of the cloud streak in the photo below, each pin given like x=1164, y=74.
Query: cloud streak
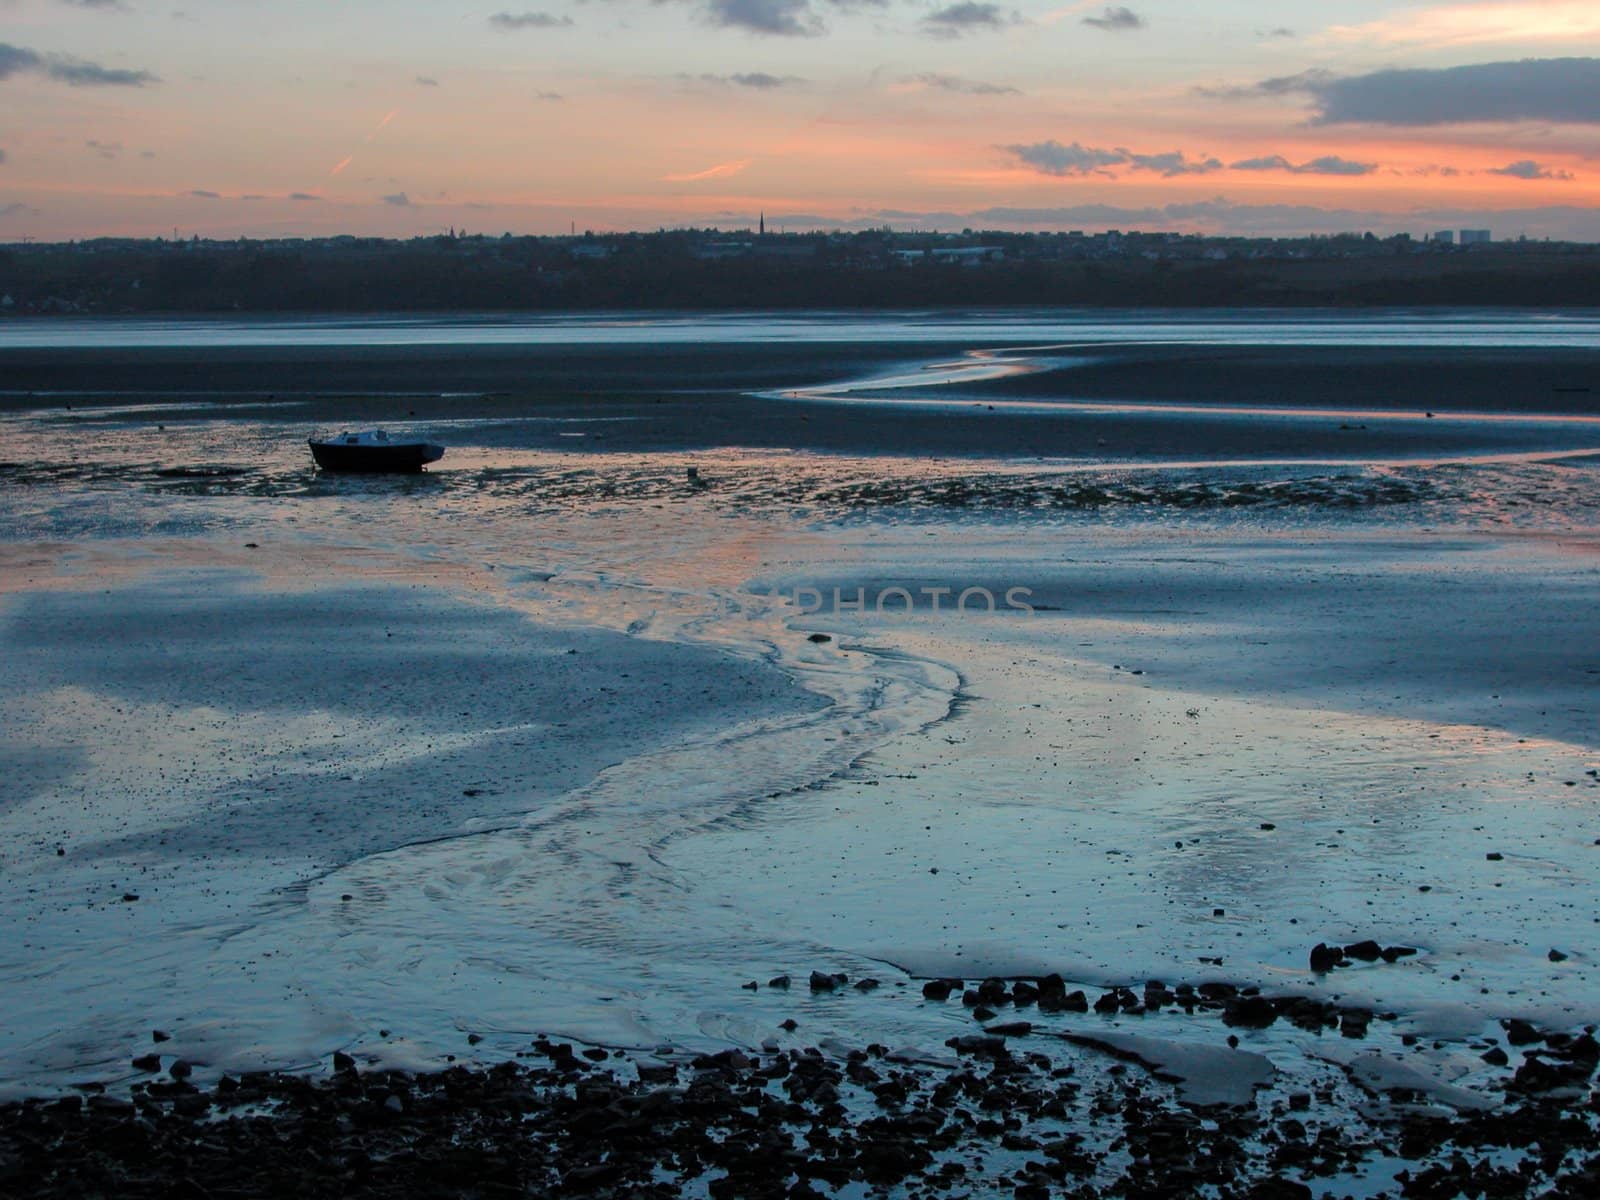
x=1116, y=20
x=63, y=68
x=776, y=18
x=759, y=81
x=509, y=22
x=1506, y=21
x=967, y=17
x=1530, y=170
x=720, y=171
x=1328, y=164
x=1053, y=158
x=964, y=87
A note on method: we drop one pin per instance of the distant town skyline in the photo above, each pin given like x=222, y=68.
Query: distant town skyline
x=216, y=119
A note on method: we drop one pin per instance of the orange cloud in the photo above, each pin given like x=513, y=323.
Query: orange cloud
x=720, y=171
x=1469, y=24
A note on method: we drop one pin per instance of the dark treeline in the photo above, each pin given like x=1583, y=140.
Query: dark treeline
x=704, y=270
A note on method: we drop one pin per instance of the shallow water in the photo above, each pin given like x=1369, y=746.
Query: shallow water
x=1006, y=326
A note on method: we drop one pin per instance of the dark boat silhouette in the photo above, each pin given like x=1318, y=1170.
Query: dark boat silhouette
x=372, y=450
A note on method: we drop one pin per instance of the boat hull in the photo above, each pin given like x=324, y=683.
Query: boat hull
x=400, y=457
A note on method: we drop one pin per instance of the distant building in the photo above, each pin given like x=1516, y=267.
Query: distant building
x=1445, y=237
x=969, y=254
x=1475, y=237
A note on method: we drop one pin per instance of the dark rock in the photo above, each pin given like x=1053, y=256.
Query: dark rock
x=993, y=991
x=781, y=981
x=940, y=989
x=1557, y=956
x=1325, y=958
x=158, y=1037
x=1010, y=1029
x=827, y=983
x=979, y=1044
x=1353, y=1023
x=1367, y=951
x=1494, y=856
x=1249, y=1012
x=1496, y=1057
x=343, y=1062
x=147, y=1062
x=180, y=1070
x=1520, y=1033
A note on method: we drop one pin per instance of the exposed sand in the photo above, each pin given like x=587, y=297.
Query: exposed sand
x=1367, y=657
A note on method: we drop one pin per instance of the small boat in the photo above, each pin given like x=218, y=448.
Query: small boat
x=372, y=450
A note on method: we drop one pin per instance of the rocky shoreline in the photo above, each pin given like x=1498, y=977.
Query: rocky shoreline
x=1022, y=1108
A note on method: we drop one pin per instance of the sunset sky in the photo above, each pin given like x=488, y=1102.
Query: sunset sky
x=239, y=117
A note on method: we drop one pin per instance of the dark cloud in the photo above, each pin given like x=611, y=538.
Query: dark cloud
x=508, y=22
x=1528, y=169
x=778, y=18
x=1052, y=158
x=1171, y=164
x=1116, y=20
x=75, y=72
x=2, y=156
x=1535, y=89
x=549, y=97
x=18, y=209
x=969, y=16
x=1328, y=164
x=426, y=81
x=1269, y=162
x=398, y=200
x=15, y=59
x=1332, y=164
x=1565, y=90
x=104, y=149
x=101, y=5
x=965, y=87
x=303, y=196
x=202, y=194
x=1281, y=31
